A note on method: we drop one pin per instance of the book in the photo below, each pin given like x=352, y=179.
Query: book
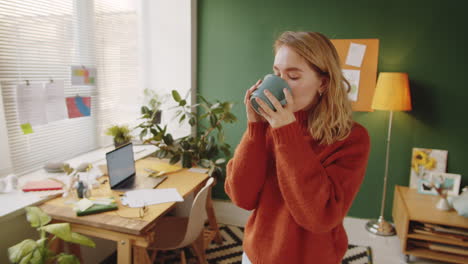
x=438, y=235
x=42, y=185
x=440, y=247
x=450, y=230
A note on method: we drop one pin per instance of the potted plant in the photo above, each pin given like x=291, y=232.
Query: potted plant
x=206, y=148
x=37, y=251
x=121, y=134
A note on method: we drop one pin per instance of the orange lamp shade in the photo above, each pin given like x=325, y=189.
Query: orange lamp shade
x=392, y=92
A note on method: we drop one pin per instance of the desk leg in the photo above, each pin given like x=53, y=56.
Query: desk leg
x=56, y=245
x=212, y=219
x=140, y=255
x=124, y=251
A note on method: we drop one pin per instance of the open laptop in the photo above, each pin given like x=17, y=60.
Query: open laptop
x=122, y=173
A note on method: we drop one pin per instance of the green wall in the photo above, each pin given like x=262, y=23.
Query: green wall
x=423, y=38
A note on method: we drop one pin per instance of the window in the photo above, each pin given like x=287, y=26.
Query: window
x=39, y=41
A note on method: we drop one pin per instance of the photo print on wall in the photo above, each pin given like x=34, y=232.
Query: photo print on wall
x=424, y=162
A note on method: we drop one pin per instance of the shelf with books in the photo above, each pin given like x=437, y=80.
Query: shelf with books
x=438, y=239
x=427, y=232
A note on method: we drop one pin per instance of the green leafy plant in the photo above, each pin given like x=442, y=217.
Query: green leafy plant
x=37, y=251
x=151, y=112
x=121, y=134
x=207, y=148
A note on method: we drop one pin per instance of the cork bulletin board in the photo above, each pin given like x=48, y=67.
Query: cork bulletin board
x=367, y=69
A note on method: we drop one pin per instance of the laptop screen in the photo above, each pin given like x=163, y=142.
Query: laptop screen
x=120, y=164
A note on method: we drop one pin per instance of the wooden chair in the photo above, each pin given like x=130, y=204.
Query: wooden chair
x=178, y=232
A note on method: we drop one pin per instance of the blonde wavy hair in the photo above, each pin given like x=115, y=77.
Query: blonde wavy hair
x=330, y=120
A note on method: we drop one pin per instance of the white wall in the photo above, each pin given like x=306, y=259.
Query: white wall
x=5, y=161
x=170, y=59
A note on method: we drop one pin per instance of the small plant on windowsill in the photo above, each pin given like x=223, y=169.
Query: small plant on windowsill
x=121, y=134
x=207, y=148
x=37, y=251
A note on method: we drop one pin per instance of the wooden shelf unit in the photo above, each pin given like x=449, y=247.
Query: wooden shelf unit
x=436, y=255
x=438, y=239
x=411, y=208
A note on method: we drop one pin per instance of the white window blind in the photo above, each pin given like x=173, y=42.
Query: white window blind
x=118, y=47
x=40, y=41
x=170, y=31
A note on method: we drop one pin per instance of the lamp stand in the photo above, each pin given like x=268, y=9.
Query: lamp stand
x=380, y=226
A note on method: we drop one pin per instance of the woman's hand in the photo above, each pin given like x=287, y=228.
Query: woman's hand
x=283, y=115
x=252, y=116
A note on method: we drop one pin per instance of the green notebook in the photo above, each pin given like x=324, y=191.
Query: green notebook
x=98, y=208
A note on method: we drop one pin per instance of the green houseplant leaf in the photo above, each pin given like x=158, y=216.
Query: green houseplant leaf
x=37, y=256
x=27, y=258
x=205, y=148
x=176, y=96
x=67, y=259
x=36, y=216
x=29, y=251
x=60, y=230
x=22, y=250
x=63, y=231
x=82, y=240
x=220, y=161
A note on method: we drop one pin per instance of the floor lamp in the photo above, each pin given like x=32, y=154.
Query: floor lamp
x=391, y=94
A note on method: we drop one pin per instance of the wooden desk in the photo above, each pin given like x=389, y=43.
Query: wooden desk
x=124, y=225
x=411, y=208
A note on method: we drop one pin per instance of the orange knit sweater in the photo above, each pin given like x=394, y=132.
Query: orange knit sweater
x=300, y=191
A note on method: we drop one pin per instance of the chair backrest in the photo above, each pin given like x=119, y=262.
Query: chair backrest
x=196, y=221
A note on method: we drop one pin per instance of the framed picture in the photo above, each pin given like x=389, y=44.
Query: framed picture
x=426, y=161
x=450, y=181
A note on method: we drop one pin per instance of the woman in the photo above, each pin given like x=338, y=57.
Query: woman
x=300, y=167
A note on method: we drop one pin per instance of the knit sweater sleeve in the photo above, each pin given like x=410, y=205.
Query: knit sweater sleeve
x=246, y=171
x=318, y=193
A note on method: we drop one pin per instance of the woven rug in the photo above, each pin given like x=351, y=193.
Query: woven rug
x=230, y=252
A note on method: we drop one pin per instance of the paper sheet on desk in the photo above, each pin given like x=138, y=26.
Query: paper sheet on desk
x=143, y=197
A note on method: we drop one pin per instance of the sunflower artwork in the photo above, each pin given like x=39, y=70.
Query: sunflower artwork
x=424, y=162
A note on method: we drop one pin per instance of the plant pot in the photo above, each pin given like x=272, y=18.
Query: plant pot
x=118, y=145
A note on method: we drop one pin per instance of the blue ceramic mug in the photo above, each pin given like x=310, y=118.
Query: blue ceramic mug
x=275, y=85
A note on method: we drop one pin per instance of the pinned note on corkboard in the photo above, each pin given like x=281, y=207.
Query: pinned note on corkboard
x=359, y=58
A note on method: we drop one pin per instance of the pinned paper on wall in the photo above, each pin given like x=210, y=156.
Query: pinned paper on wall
x=78, y=106
x=55, y=107
x=367, y=62
x=31, y=104
x=26, y=128
x=81, y=75
x=353, y=77
x=355, y=54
